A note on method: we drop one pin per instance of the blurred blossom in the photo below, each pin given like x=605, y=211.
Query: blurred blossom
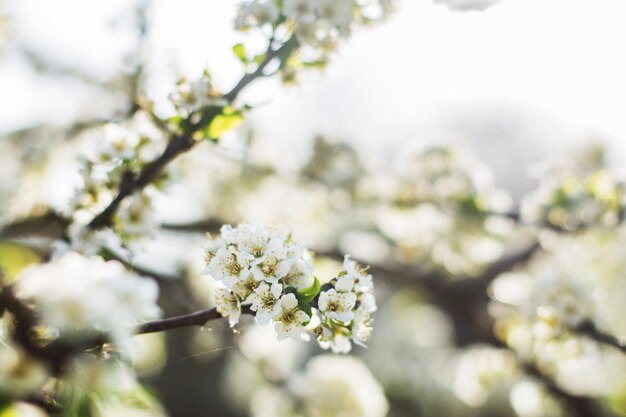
x=576, y=193
x=482, y=369
x=529, y=399
x=73, y=296
x=339, y=386
x=147, y=353
x=107, y=377
x=111, y=152
x=20, y=375
x=468, y=5
x=276, y=359
x=444, y=210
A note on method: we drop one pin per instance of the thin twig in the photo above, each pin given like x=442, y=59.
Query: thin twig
x=178, y=145
x=576, y=405
x=590, y=330
x=198, y=318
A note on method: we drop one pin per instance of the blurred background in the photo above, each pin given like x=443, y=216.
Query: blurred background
x=433, y=99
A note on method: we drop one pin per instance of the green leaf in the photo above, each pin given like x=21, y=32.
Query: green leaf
x=326, y=287
x=240, y=51
x=222, y=123
x=14, y=257
x=306, y=307
x=8, y=411
x=308, y=294
x=259, y=58
x=291, y=290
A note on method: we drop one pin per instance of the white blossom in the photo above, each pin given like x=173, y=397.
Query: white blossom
x=302, y=11
x=256, y=13
x=190, y=97
x=20, y=374
x=337, y=306
x=274, y=275
x=480, y=370
x=290, y=320
x=362, y=327
x=559, y=300
x=78, y=296
x=265, y=301
x=340, y=386
x=229, y=266
x=228, y=305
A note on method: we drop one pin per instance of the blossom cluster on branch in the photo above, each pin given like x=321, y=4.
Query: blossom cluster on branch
x=275, y=276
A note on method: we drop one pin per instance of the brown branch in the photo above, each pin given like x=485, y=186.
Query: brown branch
x=198, y=318
x=178, y=145
x=576, y=405
x=49, y=224
x=590, y=330
x=45, y=402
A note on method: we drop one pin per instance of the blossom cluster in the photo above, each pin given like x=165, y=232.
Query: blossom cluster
x=191, y=96
x=273, y=275
x=481, y=369
x=328, y=386
x=115, y=151
x=77, y=298
x=318, y=25
x=572, y=200
x=442, y=207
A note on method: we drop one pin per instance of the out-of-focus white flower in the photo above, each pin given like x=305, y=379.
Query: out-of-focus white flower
x=136, y=217
x=337, y=13
x=559, y=301
x=480, y=370
x=468, y=5
x=20, y=374
x=302, y=11
x=340, y=386
x=265, y=301
x=290, y=320
x=112, y=151
x=573, y=198
x=190, y=97
x=528, y=399
x=256, y=13
x=77, y=296
x=441, y=211
x=228, y=305
x=362, y=327
x=101, y=375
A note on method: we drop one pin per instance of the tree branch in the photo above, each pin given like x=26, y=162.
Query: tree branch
x=590, y=330
x=199, y=318
x=178, y=145
x=576, y=405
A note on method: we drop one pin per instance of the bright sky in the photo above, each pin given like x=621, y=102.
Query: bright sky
x=537, y=73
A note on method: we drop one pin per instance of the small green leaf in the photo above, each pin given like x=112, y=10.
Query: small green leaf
x=259, y=58
x=291, y=290
x=14, y=258
x=222, y=123
x=308, y=294
x=306, y=308
x=7, y=410
x=240, y=51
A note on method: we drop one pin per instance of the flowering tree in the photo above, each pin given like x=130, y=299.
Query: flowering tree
x=521, y=297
